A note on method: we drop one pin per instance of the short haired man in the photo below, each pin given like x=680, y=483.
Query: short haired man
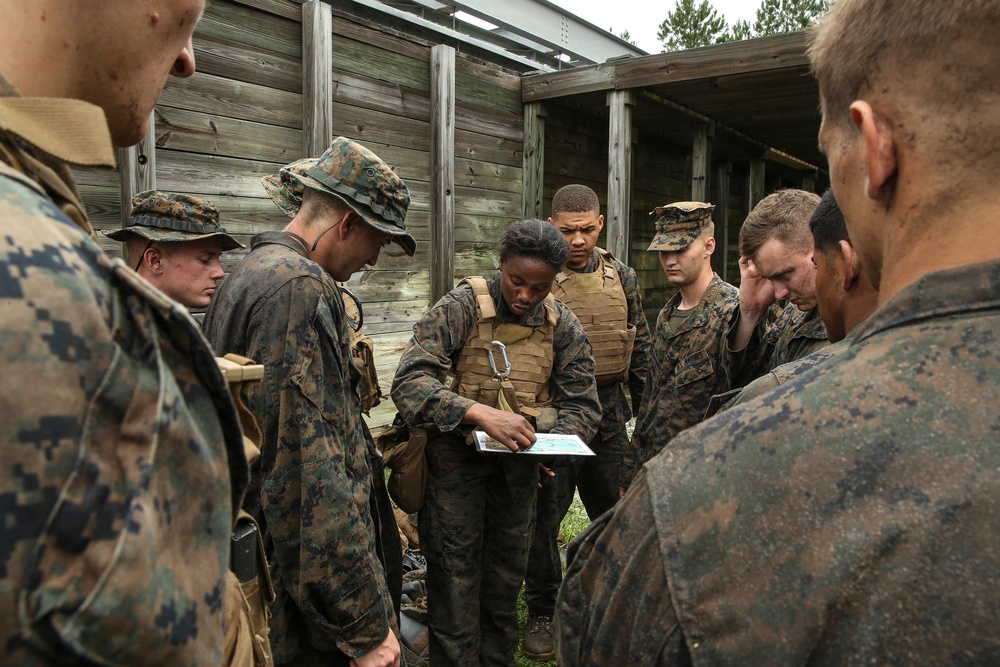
x=311, y=490
x=604, y=294
x=175, y=242
x=843, y=290
x=121, y=458
x=776, y=263
x=849, y=516
x=686, y=366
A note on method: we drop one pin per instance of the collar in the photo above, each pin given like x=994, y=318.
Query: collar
x=289, y=240
x=68, y=130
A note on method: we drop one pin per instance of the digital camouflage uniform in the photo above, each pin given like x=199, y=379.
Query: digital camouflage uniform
x=475, y=527
x=847, y=517
x=793, y=335
x=122, y=461
x=686, y=364
x=312, y=488
x=597, y=478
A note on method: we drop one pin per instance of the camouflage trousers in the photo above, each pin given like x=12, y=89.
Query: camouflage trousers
x=597, y=478
x=475, y=529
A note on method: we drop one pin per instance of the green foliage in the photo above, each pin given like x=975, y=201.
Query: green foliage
x=627, y=37
x=690, y=25
x=778, y=16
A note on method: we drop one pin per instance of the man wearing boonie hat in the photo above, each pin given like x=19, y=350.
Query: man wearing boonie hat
x=174, y=241
x=312, y=488
x=686, y=367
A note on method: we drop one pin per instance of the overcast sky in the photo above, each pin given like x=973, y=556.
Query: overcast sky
x=642, y=17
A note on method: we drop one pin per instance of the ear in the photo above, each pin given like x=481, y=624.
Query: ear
x=153, y=258
x=348, y=223
x=600, y=222
x=550, y=220
x=709, y=246
x=852, y=265
x=879, y=149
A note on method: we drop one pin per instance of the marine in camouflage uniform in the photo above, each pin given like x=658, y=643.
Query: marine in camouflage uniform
x=604, y=294
x=476, y=524
x=686, y=366
x=122, y=463
x=849, y=516
x=312, y=487
x=776, y=263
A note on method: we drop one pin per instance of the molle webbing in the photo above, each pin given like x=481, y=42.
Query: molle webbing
x=598, y=300
x=529, y=350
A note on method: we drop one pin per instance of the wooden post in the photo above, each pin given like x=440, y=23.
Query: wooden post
x=620, y=173
x=755, y=184
x=721, y=218
x=533, y=161
x=317, y=77
x=137, y=170
x=699, y=164
x=809, y=181
x=442, y=171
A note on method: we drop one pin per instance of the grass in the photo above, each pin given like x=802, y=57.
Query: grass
x=573, y=524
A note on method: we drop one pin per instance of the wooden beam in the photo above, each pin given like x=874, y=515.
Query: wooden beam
x=699, y=164
x=137, y=170
x=620, y=173
x=533, y=161
x=755, y=183
x=809, y=181
x=538, y=87
x=317, y=77
x=723, y=172
x=442, y=171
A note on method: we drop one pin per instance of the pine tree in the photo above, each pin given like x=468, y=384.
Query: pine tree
x=690, y=25
x=739, y=31
x=627, y=37
x=778, y=16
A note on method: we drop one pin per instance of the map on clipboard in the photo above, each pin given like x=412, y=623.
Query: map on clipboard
x=547, y=444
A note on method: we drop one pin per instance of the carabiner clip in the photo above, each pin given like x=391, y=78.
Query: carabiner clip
x=493, y=364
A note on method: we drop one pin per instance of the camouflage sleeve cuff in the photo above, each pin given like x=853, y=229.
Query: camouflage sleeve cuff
x=367, y=632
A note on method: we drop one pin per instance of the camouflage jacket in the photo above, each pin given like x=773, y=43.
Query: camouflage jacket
x=122, y=463
x=785, y=372
x=847, y=517
x=614, y=406
x=686, y=369
x=793, y=335
x=310, y=489
x=420, y=390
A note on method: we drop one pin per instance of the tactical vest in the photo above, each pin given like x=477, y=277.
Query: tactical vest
x=529, y=350
x=362, y=352
x=598, y=300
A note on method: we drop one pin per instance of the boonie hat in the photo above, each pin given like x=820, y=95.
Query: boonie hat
x=679, y=224
x=169, y=216
x=356, y=176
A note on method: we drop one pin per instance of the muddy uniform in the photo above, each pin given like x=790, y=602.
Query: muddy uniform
x=686, y=368
x=847, y=517
x=475, y=527
x=793, y=335
x=311, y=488
x=605, y=296
x=121, y=458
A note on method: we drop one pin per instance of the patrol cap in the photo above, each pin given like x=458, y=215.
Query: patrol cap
x=356, y=176
x=679, y=224
x=169, y=216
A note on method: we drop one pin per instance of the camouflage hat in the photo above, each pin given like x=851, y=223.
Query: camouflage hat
x=680, y=223
x=168, y=216
x=352, y=173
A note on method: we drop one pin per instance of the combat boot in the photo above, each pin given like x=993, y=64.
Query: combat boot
x=537, y=642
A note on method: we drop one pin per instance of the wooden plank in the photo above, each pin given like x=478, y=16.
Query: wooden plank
x=394, y=66
x=486, y=94
x=772, y=53
x=442, y=171
x=533, y=160
x=209, y=134
x=234, y=99
x=491, y=72
x=233, y=60
x=550, y=85
x=137, y=169
x=720, y=216
x=619, y=172
x=103, y=176
x=699, y=164
x=755, y=183
x=211, y=175
x=317, y=87
x=104, y=209
x=476, y=146
x=252, y=27
x=284, y=8
x=367, y=126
